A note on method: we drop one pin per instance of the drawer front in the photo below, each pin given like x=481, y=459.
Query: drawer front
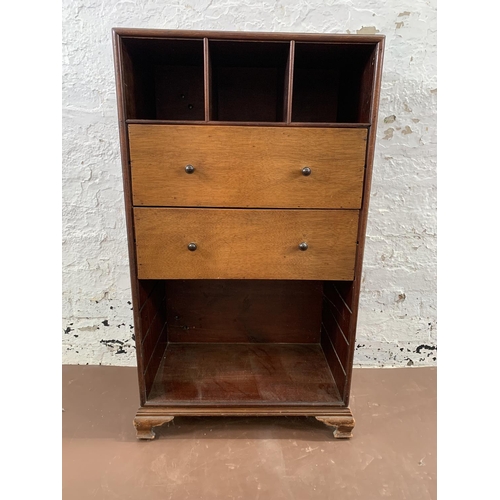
x=245, y=243
x=245, y=166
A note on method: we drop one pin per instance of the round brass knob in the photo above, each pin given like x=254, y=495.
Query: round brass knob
x=303, y=246
x=192, y=247
x=189, y=169
x=306, y=171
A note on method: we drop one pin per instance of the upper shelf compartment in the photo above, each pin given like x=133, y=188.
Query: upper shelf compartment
x=257, y=80
x=164, y=79
x=332, y=82
x=248, y=80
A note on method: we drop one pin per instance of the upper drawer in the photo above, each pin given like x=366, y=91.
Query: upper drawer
x=247, y=166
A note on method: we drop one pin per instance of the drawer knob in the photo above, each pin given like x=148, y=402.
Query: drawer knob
x=192, y=247
x=189, y=169
x=303, y=246
x=306, y=171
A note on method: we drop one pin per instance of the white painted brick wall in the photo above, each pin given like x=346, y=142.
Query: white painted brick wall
x=397, y=319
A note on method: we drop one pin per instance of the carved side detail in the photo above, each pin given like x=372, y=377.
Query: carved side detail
x=144, y=425
x=342, y=425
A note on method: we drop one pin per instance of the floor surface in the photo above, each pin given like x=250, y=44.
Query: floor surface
x=392, y=453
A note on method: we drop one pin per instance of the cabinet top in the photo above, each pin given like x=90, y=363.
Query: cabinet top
x=247, y=35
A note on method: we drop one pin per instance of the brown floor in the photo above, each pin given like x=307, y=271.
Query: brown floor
x=392, y=453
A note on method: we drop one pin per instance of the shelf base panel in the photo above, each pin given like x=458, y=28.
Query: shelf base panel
x=236, y=374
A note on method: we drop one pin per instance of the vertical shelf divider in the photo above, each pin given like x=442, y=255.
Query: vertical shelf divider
x=207, y=83
x=289, y=84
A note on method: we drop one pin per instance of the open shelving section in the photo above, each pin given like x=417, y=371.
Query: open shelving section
x=244, y=343
x=257, y=82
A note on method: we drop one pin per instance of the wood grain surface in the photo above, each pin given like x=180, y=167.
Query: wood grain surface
x=244, y=373
x=335, y=324
x=153, y=329
x=244, y=311
x=257, y=167
x=245, y=244
x=247, y=166
x=248, y=35
x=353, y=294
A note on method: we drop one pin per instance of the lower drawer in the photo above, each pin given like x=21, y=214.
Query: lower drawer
x=245, y=244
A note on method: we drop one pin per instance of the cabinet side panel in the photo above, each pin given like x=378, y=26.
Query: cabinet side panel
x=367, y=88
x=336, y=320
x=130, y=110
x=153, y=320
x=137, y=85
x=338, y=371
x=351, y=295
x=127, y=192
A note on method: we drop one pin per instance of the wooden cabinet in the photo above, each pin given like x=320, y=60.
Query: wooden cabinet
x=247, y=163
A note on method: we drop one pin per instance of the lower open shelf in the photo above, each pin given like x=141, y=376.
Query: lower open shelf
x=210, y=373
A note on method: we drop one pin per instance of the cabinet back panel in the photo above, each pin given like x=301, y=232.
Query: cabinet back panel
x=179, y=93
x=248, y=94
x=315, y=94
x=244, y=311
x=248, y=80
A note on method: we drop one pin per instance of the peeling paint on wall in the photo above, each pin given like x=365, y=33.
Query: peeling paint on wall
x=367, y=30
x=388, y=133
x=397, y=318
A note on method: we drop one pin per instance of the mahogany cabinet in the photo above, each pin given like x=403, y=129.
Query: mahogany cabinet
x=247, y=163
